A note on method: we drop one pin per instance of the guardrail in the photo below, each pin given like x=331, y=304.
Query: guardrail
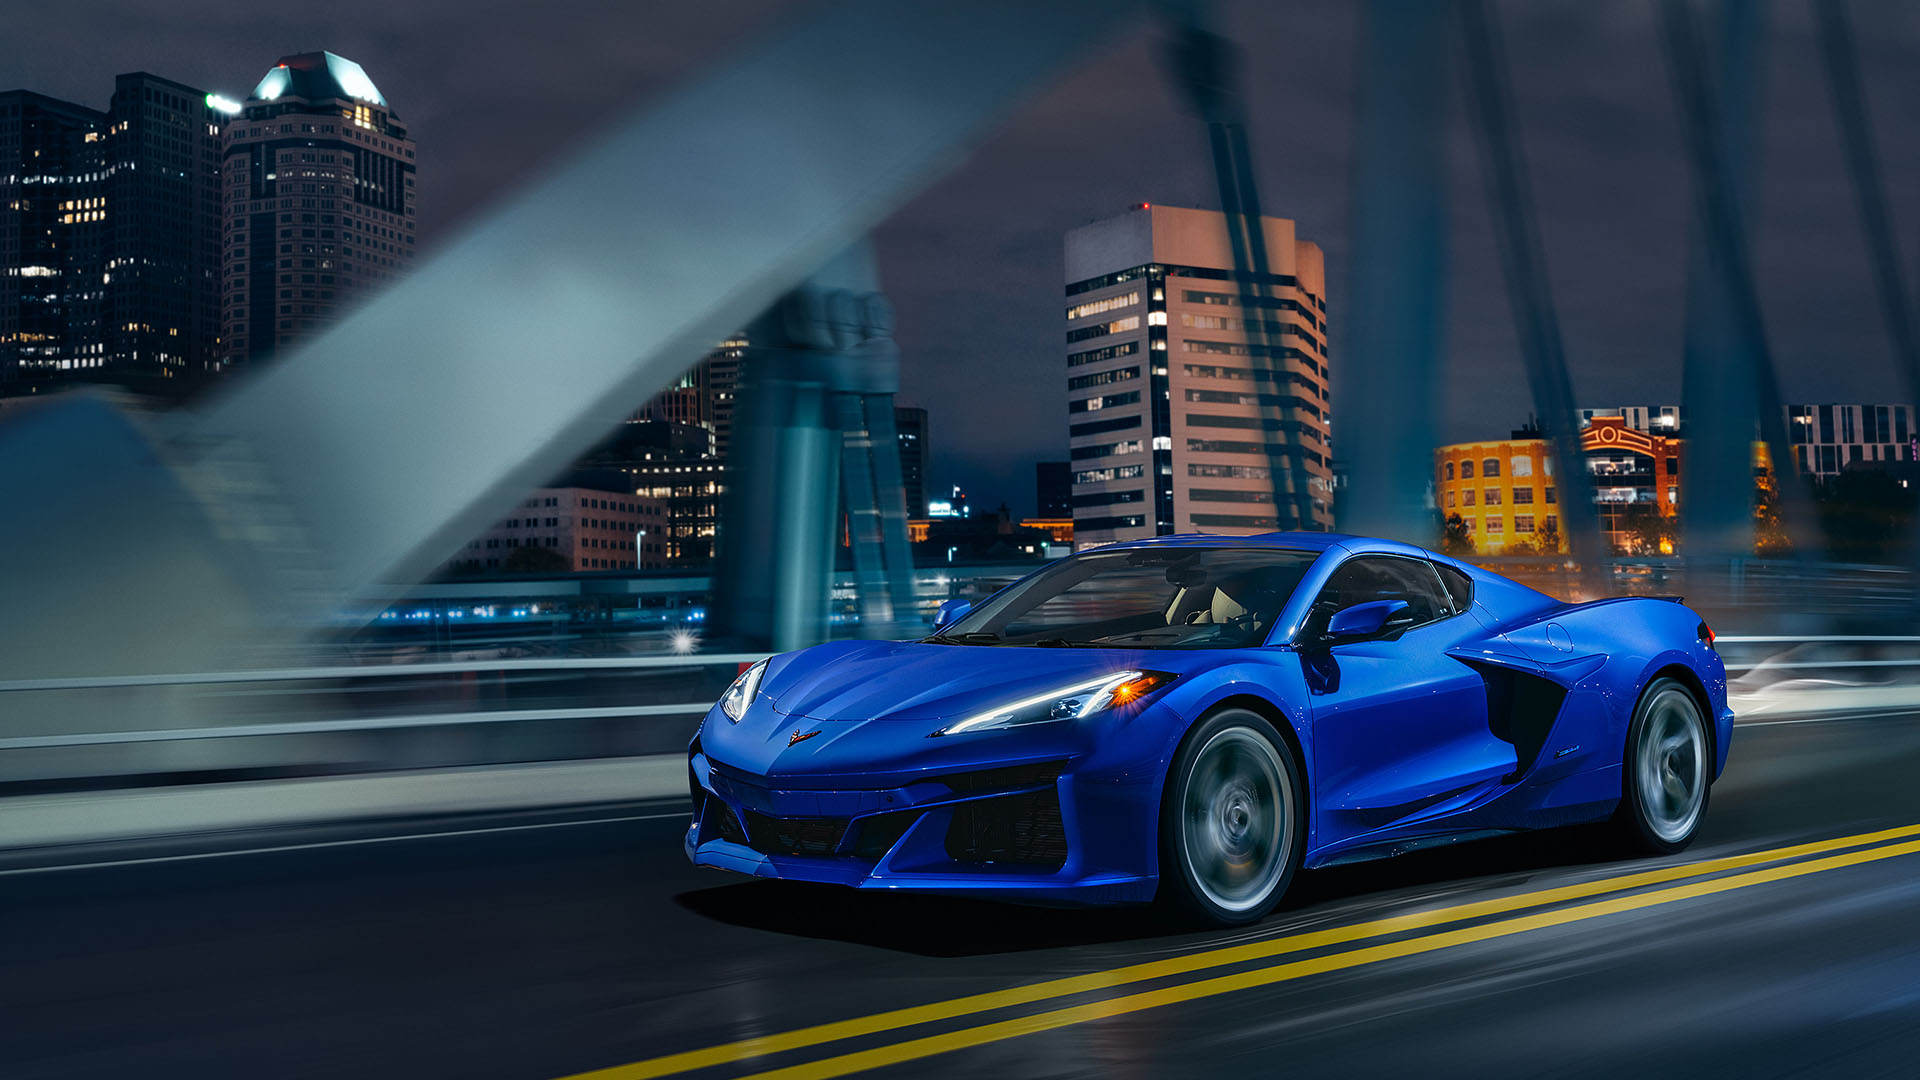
x=1792, y=645
x=354, y=671
x=344, y=717
x=355, y=717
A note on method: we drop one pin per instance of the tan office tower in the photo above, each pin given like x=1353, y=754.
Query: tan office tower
x=1174, y=423
x=319, y=202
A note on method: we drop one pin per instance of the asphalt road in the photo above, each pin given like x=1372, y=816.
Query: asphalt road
x=540, y=946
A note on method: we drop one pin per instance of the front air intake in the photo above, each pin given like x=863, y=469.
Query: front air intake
x=1024, y=829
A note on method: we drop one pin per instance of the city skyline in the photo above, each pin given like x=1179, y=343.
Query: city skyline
x=967, y=263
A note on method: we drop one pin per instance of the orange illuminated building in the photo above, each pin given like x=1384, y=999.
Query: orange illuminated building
x=1505, y=494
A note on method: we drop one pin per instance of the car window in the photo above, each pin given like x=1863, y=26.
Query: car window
x=1162, y=597
x=1382, y=577
x=1459, y=585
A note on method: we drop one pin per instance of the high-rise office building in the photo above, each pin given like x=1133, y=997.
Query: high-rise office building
x=1053, y=489
x=1172, y=420
x=722, y=381
x=319, y=176
x=162, y=250
x=910, y=430
x=49, y=161
x=702, y=397
x=109, y=239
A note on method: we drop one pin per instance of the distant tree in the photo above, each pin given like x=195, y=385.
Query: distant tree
x=1769, y=534
x=1644, y=530
x=1547, y=540
x=1457, y=539
x=536, y=560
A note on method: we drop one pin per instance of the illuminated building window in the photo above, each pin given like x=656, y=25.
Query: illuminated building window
x=1493, y=497
x=1117, y=472
x=1082, y=382
x=1117, y=326
x=1495, y=525
x=1094, y=356
x=1080, y=405
x=1100, y=307
x=1124, y=446
x=1490, y=467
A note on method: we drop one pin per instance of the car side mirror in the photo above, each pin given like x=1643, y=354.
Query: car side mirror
x=950, y=612
x=1363, y=620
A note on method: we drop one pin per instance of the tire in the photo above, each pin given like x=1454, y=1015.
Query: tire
x=1232, y=822
x=1666, y=775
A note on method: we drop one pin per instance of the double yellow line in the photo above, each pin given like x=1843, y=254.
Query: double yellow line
x=982, y=1034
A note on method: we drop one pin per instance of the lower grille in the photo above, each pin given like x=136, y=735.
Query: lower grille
x=1024, y=829
x=879, y=833
x=719, y=817
x=795, y=836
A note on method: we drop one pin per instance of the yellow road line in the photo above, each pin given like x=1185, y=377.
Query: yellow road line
x=931, y=1045
x=894, y=1019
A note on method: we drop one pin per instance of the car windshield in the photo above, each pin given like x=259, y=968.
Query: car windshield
x=1145, y=598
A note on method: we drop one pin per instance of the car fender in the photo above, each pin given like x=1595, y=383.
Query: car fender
x=1638, y=637
x=1270, y=677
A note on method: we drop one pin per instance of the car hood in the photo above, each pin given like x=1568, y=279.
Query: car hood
x=911, y=681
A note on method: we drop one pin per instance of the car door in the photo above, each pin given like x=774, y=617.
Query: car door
x=1399, y=727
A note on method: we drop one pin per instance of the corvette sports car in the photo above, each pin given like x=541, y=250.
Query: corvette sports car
x=1194, y=718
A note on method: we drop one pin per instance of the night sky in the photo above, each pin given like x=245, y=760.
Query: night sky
x=493, y=91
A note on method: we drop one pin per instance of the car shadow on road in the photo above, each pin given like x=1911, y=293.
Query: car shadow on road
x=955, y=927
x=924, y=925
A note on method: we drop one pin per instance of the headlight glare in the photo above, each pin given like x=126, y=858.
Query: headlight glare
x=741, y=694
x=1069, y=703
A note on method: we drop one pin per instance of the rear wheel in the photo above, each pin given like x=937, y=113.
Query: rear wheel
x=1232, y=826
x=1667, y=770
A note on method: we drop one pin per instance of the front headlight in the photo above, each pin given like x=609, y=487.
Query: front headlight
x=740, y=695
x=1069, y=703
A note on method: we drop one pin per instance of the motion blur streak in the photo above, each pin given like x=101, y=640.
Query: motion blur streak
x=1181, y=965
x=324, y=844
x=916, y=1049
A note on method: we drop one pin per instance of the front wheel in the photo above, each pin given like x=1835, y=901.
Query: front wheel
x=1668, y=767
x=1233, y=824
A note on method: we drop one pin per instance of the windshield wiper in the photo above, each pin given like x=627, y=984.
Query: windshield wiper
x=1137, y=634
x=1061, y=643
x=972, y=637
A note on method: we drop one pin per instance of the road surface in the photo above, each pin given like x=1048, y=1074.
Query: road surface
x=1786, y=942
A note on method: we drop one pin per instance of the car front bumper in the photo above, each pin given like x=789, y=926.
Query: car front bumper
x=1039, y=831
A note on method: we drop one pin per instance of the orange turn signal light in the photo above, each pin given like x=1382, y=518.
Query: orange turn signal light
x=1136, y=688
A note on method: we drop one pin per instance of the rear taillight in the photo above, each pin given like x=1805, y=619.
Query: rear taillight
x=1706, y=635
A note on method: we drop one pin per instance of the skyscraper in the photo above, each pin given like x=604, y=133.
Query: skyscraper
x=319, y=176
x=109, y=239
x=1171, y=418
x=48, y=257
x=1052, y=489
x=910, y=429
x=161, y=274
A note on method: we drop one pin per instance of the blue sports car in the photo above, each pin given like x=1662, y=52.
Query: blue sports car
x=1194, y=718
